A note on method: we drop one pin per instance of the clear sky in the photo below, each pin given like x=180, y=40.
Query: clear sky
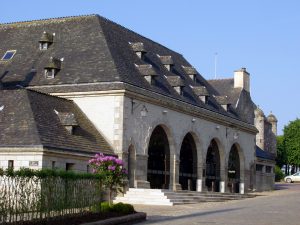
x=261, y=35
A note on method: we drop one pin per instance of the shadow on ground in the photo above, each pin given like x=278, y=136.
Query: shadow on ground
x=159, y=218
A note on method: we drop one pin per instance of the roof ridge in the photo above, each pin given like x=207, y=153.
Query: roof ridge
x=220, y=79
x=142, y=36
x=33, y=117
x=46, y=94
x=48, y=19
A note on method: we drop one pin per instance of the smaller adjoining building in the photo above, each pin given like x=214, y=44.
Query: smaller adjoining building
x=237, y=90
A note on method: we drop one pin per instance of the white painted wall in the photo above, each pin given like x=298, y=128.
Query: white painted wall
x=106, y=113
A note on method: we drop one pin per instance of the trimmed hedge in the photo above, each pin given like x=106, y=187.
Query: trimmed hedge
x=119, y=208
x=29, y=194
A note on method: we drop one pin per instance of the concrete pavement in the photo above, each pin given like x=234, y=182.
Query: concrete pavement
x=280, y=207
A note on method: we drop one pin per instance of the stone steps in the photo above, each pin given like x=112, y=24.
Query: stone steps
x=168, y=197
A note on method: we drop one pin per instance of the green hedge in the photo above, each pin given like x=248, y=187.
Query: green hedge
x=38, y=194
x=44, y=173
x=119, y=207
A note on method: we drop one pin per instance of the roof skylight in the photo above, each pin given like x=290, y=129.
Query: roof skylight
x=8, y=55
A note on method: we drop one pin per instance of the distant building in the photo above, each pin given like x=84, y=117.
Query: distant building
x=74, y=86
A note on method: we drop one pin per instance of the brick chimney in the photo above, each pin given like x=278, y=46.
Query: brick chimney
x=242, y=79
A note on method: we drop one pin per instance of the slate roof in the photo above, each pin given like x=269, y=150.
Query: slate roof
x=264, y=154
x=97, y=55
x=28, y=118
x=225, y=87
x=237, y=97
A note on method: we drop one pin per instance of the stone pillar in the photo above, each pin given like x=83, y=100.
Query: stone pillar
x=141, y=171
x=174, y=173
x=222, y=186
x=242, y=188
x=199, y=178
x=223, y=180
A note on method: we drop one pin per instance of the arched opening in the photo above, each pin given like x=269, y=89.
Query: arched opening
x=158, y=173
x=212, y=173
x=234, y=170
x=131, y=166
x=188, y=164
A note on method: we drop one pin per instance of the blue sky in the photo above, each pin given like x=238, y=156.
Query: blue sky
x=261, y=35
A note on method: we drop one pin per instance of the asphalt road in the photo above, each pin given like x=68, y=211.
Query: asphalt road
x=280, y=207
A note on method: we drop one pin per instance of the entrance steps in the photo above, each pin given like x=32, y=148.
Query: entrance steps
x=168, y=197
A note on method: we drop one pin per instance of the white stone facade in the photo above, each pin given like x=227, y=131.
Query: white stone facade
x=128, y=122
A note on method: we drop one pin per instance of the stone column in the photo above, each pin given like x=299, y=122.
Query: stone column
x=242, y=188
x=222, y=180
x=199, y=178
x=141, y=171
x=174, y=173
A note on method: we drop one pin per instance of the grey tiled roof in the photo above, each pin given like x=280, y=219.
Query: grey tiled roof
x=189, y=70
x=175, y=81
x=222, y=100
x=146, y=69
x=29, y=119
x=264, y=154
x=138, y=47
x=237, y=97
x=225, y=87
x=166, y=59
x=97, y=55
x=200, y=90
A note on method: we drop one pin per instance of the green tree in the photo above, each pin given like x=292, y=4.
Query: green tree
x=281, y=158
x=292, y=142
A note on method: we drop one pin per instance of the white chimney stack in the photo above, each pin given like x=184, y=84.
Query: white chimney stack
x=242, y=79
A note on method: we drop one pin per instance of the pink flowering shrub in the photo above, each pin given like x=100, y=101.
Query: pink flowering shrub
x=112, y=171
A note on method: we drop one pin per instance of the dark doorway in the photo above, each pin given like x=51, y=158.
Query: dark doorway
x=188, y=164
x=234, y=170
x=158, y=173
x=212, y=174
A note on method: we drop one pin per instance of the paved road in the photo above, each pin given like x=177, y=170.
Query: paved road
x=280, y=207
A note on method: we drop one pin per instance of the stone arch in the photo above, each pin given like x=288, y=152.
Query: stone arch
x=169, y=134
x=188, y=163
x=131, y=166
x=214, y=171
x=199, y=146
x=235, y=168
x=159, y=153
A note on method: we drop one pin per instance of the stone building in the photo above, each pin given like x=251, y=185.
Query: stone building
x=74, y=86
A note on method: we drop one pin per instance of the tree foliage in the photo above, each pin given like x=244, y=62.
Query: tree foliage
x=291, y=142
x=281, y=158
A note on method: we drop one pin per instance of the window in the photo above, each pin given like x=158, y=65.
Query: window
x=53, y=166
x=43, y=46
x=8, y=55
x=69, y=166
x=11, y=164
x=49, y=73
x=259, y=168
x=268, y=169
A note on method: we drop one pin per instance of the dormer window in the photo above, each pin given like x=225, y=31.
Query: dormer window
x=167, y=61
x=68, y=120
x=201, y=93
x=191, y=72
x=139, y=49
x=177, y=83
x=46, y=40
x=52, y=68
x=8, y=55
x=148, y=72
x=223, y=101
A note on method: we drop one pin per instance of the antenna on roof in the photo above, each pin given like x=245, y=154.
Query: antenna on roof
x=216, y=58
